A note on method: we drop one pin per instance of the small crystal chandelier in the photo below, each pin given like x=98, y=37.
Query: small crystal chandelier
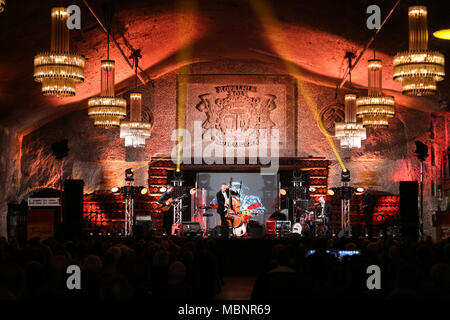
x=59, y=70
x=135, y=131
x=350, y=132
x=419, y=68
x=375, y=109
x=106, y=109
x=2, y=5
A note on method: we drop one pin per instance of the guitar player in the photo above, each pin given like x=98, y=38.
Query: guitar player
x=168, y=215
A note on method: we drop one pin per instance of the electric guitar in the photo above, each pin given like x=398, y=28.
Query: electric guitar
x=169, y=203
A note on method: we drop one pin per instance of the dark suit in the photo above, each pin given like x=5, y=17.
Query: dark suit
x=168, y=215
x=221, y=210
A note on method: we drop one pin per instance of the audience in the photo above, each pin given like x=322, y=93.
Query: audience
x=194, y=269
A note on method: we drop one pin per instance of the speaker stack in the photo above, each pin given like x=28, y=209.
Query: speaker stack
x=409, y=210
x=72, y=209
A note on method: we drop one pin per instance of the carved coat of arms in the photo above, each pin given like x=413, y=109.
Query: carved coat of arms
x=237, y=107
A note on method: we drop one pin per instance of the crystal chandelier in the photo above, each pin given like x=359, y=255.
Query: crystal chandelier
x=350, y=132
x=375, y=109
x=419, y=68
x=2, y=5
x=135, y=131
x=59, y=70
x=106, y=109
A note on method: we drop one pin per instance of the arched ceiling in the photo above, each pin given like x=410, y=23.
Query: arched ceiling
x=314, y=35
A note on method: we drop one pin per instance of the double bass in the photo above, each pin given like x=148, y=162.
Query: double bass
x=234, y=218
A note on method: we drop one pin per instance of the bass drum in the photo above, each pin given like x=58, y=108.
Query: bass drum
x=297, y=228
x=240, y=231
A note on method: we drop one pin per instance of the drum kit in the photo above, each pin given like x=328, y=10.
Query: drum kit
x=306, y=221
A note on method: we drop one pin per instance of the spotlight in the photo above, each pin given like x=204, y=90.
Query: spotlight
x=178, y=175
x=115, y=189
x=330, y=192
x=442, y=34
x=163, y=189
x=192, y=191
x=297, y=174
x=360, y=190
x=345, y=175
x=312, y=189
x=144, y=190
x=129, y=174
x=283, y=192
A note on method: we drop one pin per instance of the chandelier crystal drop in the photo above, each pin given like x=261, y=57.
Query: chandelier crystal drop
x=59, y=70
x=350, y=132
x=135, y=131
x=375, y=108
x=419, y=68
x=106, y=109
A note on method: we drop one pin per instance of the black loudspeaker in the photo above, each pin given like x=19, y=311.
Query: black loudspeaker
x=143, y=227
x=220, y=232
x=409, y=210
x=16, y=223
x=72, y=209
x=255, y=230
x=192, y=229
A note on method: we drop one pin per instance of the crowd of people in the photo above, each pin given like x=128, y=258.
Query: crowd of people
x=194, y=269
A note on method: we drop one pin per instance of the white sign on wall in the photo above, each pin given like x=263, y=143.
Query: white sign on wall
x=43, y=202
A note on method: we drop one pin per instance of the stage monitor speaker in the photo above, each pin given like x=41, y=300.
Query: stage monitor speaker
x=409, y=210
x=72, y=209
x=143, y=227
x=192, y=229
x=220, y=232
x=255, y=230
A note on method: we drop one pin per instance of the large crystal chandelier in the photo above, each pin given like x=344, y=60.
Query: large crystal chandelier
x=59, y=70
x=350, y=132
x=375, y=109
x=419, y=68
x=135, y=131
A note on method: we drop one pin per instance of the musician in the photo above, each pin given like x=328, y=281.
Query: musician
x=324, y=211
x=168, y=215
x=224, y=201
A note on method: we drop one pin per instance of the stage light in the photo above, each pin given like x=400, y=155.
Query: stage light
x=192, y=191
x=129, y=174
x=312, y=189
x=283, y=192
x=345, y=175
x=144, y=191
x=163, y=189
x=330, y=192
x=442, y=34
x=360, y=189
x=115, y=189
x=178, y=175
